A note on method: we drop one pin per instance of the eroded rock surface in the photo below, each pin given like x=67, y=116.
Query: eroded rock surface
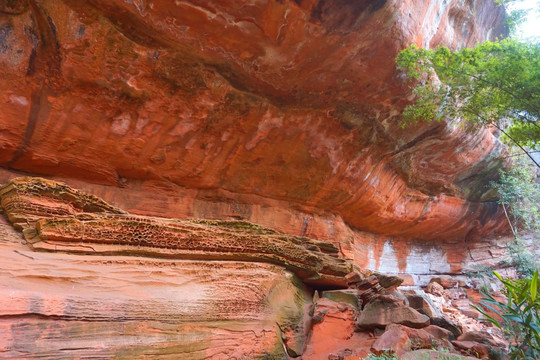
x=59, y=305
x=40, y=208
x=206, y=289
x=123, y=302
x=280, y=113
x=384, y=310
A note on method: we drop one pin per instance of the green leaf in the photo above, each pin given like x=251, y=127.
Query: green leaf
x=534, y=286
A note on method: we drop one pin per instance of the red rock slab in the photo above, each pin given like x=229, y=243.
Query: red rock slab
x=195, y=239
x=439, y=332
x=394, y=340
x=384, y=310
x=478, y=350
x=104, y=229
x=26, y=200
x=478, y=336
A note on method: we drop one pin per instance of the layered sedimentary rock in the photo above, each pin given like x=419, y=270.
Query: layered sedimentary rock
x=290, y=103
x=195, y=304
x=59, y=305
x=196, y=288
x=40, y=208
x=26, y=200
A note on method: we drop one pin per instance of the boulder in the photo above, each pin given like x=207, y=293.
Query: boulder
x=439, y=332
x=394, y=340
x=398, y=295
x=384, y=310
x=419, y=338
x=447, y=282
x=436, y=289
x=419, y=301
x=478, y=336
x=423, y=304
x=448, y=324
x=332, y=333
x=478, y=350
x=367, y=287
x=388, y=281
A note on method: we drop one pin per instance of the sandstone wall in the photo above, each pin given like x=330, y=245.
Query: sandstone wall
x=281, y=113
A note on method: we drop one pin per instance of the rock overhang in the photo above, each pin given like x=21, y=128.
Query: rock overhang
x=296, y=102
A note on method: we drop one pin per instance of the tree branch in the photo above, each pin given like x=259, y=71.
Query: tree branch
x=517, y=144
x=509, y=222
x=490, y=122
x=530, y=152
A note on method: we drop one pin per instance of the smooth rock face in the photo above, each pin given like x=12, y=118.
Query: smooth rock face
x=398, y=339
x=348, y=296
x=280, y=111
x=333, y=333
x=394, y=340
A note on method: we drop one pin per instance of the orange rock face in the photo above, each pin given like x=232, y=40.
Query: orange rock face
x=282, y=113
x=58, y=305
x=289, y=103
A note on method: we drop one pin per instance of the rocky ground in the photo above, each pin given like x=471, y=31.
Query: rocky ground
x=437, y=322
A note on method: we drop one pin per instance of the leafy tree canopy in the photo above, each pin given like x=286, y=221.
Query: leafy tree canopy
x=495, y=83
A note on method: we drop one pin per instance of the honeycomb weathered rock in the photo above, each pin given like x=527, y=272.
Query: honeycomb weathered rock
x=55, y=217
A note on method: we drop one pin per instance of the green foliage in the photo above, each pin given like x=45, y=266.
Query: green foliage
x=495, y=83
x=523, y=260
x=513, y=18
x=417, y=344
x=484, y=274
x=519, y=193
x=520, y=315
x=383, y=356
